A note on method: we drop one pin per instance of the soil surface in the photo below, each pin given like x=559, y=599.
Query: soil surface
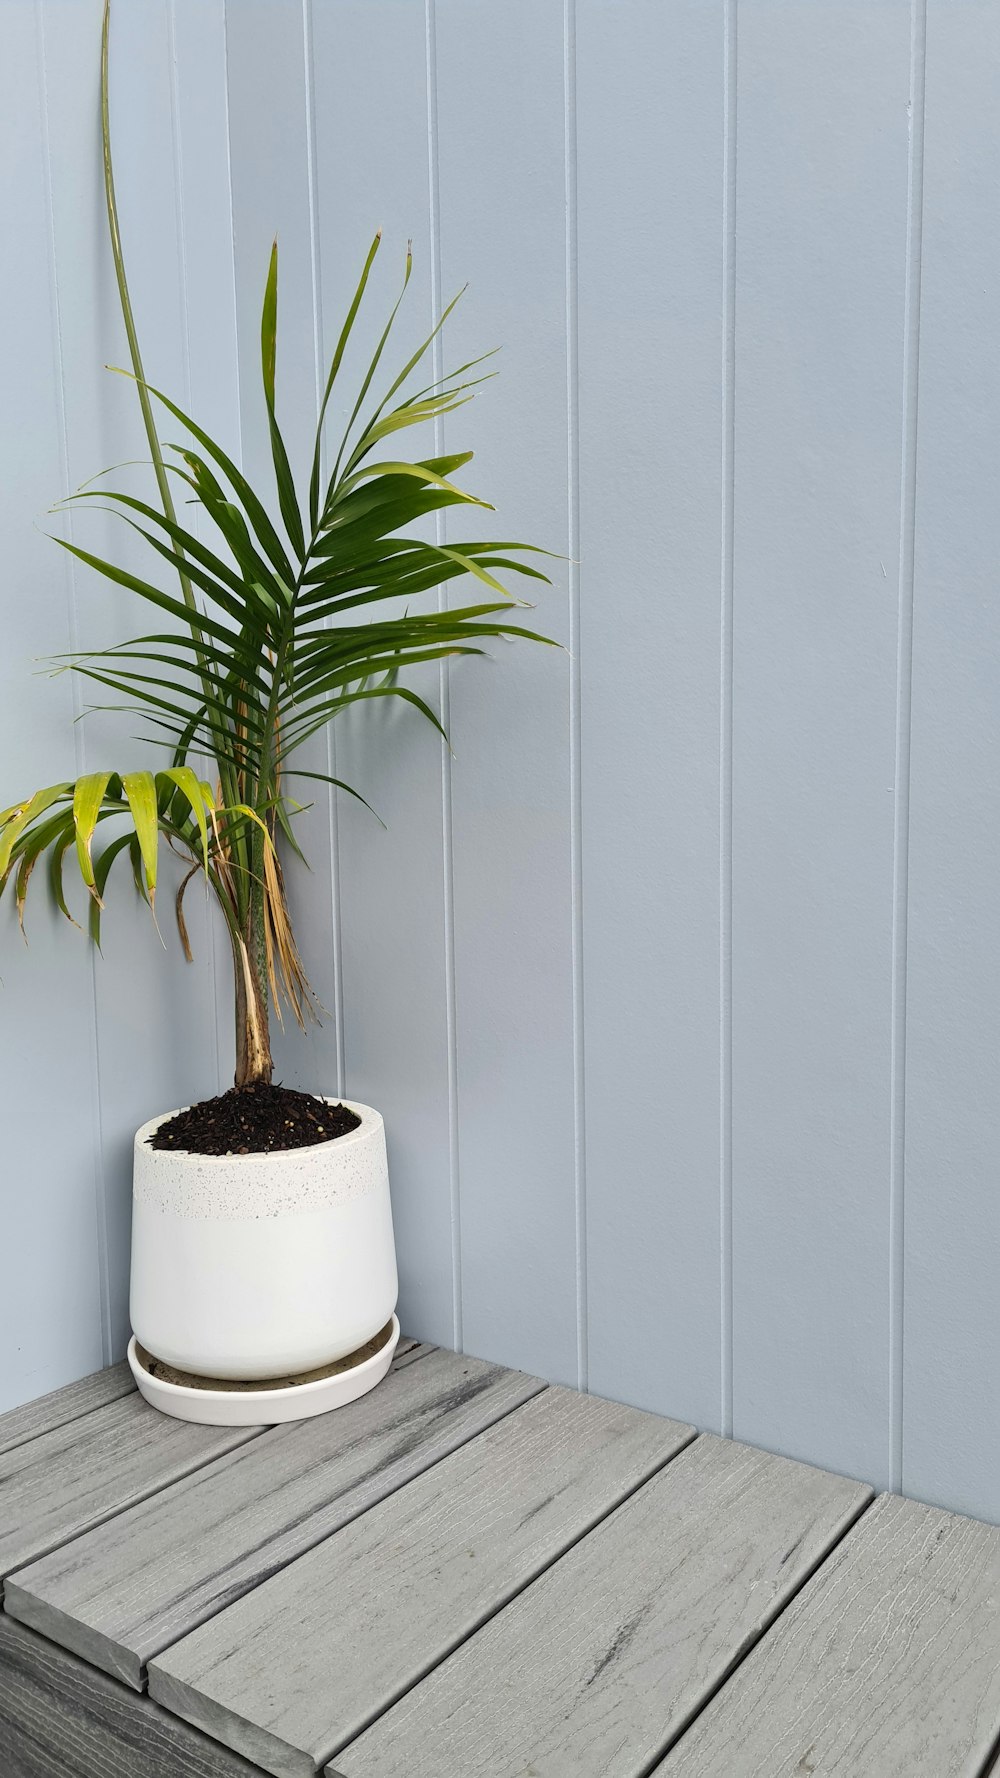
x=157, y=1368
x=259, y=1119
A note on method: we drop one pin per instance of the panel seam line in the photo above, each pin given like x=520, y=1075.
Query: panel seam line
x=177, y=146
x=444, y=682
x=575, y=691
x=102, y=1230
x=238, y=387
x=901, y=785
x=319, y=357
x=727, y=576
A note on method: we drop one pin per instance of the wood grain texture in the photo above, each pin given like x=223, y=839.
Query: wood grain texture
x=888, y=1663
x=64, y=1405
x=60, y=1719
x=131, y=1587
x=592, y=1671
x=302, y=1664
x=66, y=1480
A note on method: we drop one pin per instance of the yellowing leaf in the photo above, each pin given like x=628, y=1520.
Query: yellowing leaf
x=190, y=786
x=140, y=790
x=16, y=819
x=88, y=795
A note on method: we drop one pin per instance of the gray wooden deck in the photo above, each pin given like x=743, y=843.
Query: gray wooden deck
x=468, y=1574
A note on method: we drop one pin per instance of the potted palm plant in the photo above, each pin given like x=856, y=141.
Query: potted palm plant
x=262, y=1234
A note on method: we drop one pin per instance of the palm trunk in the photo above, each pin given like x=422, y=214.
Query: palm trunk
x=253, y=1044
x=253, y=1047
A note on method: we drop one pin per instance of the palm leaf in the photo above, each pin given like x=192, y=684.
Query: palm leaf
x=14, y=821
x=102, y=870
x=287, y=500
x=369, y=378
x=87, y=799
x=140, y=793
x=198, y=796
x=253, y=507
x=335, y=363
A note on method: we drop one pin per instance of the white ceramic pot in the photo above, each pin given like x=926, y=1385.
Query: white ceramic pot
x=262, y=1265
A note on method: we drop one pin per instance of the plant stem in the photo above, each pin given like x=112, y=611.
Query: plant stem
x=253, y=1048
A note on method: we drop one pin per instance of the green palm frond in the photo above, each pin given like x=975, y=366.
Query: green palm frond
x=273, y=647
x=266, y=625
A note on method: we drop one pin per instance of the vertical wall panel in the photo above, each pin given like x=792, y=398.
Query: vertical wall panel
x=50, y=1306
x=502, y=189
x=270, y=114
x=821, y=267
x=391, y=876
x=952, y=1327
x=268, y=123
x=156, y=1016
x=200, y=127
x=99, y=430
x=651, y=467
x=145, y=1001
x=143, y=1027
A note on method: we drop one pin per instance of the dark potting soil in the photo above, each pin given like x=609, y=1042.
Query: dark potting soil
x=259, y=1119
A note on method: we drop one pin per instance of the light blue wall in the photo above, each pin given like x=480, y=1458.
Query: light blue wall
x=679, y=983
x=91, y=1046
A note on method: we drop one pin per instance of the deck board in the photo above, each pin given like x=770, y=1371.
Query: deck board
x=129, y=1588
x=64, y=1405
x=612, y=1651
x=888, y=1663
x=59, y=1716
x=59, y=1483
x=303, y=1663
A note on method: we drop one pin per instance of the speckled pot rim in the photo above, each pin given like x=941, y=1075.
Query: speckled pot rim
x=260, y=1187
